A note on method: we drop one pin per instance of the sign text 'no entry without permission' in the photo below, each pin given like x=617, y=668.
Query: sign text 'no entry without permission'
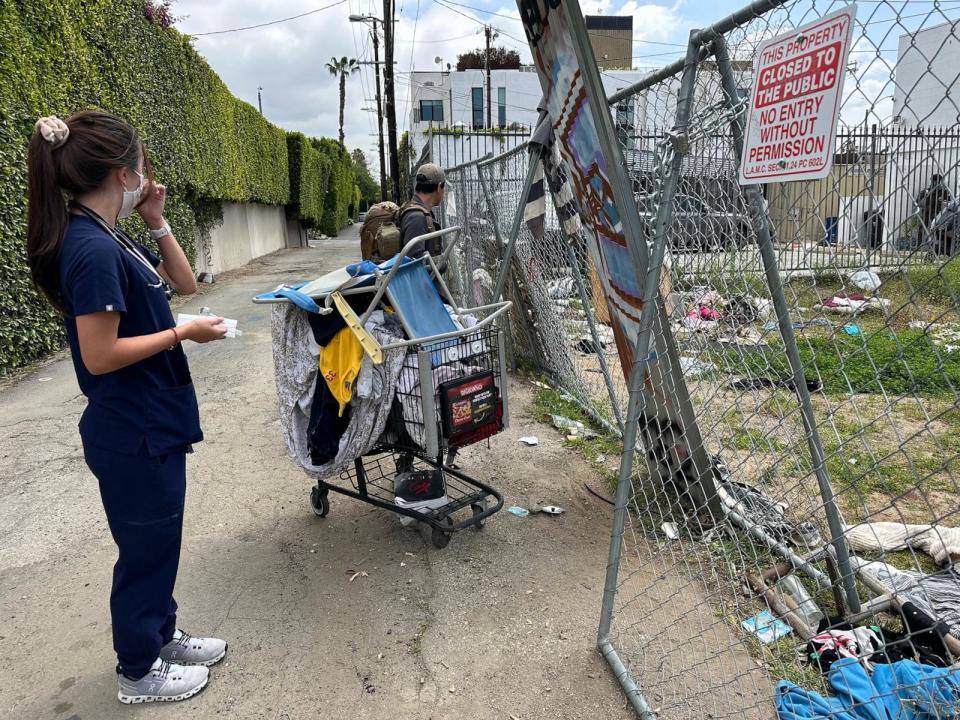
x=797, y=87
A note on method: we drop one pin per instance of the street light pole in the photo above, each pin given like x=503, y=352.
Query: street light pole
x=376, y=66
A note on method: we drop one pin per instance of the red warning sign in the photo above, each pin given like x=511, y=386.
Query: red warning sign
x=791, y=125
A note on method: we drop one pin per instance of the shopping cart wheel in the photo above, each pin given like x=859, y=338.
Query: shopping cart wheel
x=441, y=538
x=478, y=508
x=319, y=501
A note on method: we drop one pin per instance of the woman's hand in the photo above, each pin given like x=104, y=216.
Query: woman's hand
x=205, y=329
x=151, y=207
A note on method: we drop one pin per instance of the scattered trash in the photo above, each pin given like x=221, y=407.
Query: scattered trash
x=755, y=383
x=851, y=329
x=44, y=379
x=766, y=627
x=518, y=511
x=597, y=495
x=561, y=288
x=409, y=554
x=806, y=607
x=573, y=428
x=799, y=324
x=692, y=367
x=403, y=564
x=355, y=574
x=541, y=385
x=866, y=280
x=587, y=346
x=670, y=530
x=548, y=510
x=530, y=440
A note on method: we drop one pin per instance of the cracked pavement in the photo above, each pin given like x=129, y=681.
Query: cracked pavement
x=500, y=624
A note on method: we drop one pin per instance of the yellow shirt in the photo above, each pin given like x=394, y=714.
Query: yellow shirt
x=340, y=364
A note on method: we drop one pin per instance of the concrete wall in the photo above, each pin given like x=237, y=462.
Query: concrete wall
x=246, y=232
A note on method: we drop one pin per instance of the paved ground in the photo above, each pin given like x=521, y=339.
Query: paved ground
x=500, y=624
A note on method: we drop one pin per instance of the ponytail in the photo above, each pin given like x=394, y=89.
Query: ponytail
x=68, y=159
x=46, y=219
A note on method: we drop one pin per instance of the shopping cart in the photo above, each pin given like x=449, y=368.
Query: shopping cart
x=451, y=392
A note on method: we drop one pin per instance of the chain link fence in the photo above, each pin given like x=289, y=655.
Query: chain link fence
x=817, y=334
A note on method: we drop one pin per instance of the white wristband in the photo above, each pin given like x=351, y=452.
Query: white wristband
x=161, y=232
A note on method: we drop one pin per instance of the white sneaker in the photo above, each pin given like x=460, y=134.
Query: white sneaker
x=185, y=649
x=164, y=683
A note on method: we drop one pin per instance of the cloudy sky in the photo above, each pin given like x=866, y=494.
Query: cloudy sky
x=287, y=59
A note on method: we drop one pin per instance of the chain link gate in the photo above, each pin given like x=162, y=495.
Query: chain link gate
x=817, y=327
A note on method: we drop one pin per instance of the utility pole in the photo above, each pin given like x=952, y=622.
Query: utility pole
x=260, y=99
x=391, y=99
x=376, y=68
x=487, y=31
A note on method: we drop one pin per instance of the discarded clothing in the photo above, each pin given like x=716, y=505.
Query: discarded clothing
x=852, y=303
x=937, y=595
x=903, y=690
x=831, y=644
x=940, y=543
x=922, y=641
x=340, y=364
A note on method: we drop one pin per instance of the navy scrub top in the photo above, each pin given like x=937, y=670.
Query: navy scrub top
x=150, y=406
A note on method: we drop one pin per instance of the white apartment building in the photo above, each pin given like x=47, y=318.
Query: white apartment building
x=927, y=90
x=458, y=98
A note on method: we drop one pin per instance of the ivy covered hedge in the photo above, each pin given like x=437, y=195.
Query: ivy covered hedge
x=309, y=179
x=208, y=147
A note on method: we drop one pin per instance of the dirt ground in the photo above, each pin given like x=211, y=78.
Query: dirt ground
x=500, y=624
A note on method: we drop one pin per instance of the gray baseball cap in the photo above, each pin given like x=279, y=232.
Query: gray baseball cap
x=430, y=174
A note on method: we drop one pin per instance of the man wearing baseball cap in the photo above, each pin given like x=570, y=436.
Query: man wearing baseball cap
x=416, y=216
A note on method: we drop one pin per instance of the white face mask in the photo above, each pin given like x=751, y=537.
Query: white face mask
x=131, y=198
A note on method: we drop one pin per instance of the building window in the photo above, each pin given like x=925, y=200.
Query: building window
x=501, y=107
x=431, y=110
x=476, y=95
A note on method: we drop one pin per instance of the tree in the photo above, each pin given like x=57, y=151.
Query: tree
x=343, y=67
x=369, y=188
x=501, y=58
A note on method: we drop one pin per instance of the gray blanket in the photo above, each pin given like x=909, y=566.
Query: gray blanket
x=295, y=361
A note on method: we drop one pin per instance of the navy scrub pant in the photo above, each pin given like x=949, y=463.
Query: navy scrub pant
x=143, y=497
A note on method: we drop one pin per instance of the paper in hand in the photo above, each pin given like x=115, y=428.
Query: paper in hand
x=183, y=319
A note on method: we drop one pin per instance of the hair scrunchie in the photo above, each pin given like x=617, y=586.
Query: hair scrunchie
x=53, y=130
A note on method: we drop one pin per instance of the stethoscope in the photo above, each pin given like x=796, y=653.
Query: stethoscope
x=126, y=242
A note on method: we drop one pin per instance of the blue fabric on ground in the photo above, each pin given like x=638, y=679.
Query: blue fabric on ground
x=903, y=690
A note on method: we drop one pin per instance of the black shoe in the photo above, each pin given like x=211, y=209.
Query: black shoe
x=419, y=486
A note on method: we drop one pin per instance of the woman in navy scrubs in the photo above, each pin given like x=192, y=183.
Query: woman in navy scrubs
x=141, y=417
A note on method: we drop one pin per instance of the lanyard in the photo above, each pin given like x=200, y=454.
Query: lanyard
x=124, y=241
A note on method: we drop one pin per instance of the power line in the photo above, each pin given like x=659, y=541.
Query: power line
x=480, y=22
x=272, y=22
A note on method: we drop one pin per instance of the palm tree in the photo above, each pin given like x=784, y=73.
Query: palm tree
x=343, y=67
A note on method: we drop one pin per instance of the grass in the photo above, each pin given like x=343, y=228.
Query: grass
x=883, y=362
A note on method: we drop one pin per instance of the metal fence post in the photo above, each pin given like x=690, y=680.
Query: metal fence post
x=641, y=357
x=768, y=254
